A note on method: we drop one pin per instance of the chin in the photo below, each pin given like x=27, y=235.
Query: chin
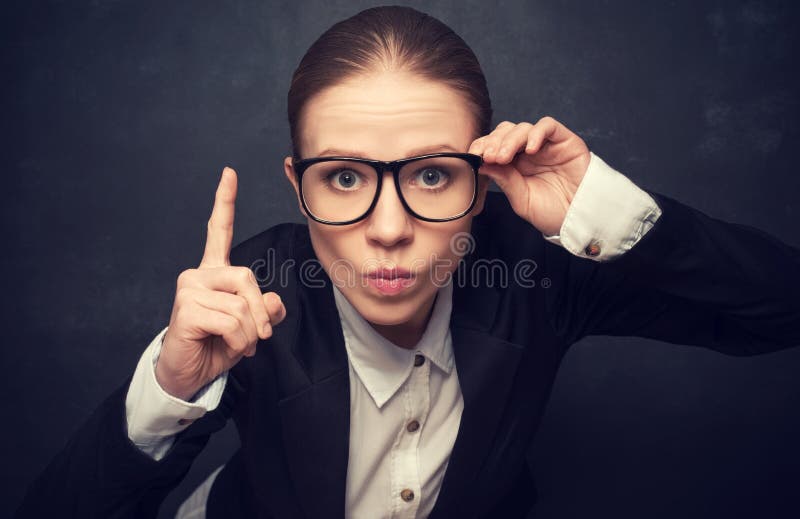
x=386, y=311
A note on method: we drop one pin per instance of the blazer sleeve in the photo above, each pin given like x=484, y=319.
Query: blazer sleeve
x=691, y=279
x=100, y=472
x=154, y=416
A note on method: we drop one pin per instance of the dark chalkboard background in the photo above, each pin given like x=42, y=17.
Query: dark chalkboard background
x=119, y=116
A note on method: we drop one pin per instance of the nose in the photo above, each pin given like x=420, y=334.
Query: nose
x=389, y=224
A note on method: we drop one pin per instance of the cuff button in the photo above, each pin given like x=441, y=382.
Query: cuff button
x=593, y=249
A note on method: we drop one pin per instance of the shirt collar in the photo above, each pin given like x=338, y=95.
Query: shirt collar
x=383, y=366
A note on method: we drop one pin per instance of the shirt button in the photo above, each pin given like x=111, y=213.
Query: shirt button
x=419, y=360
x=407, y=494
x=412, y=426
x=592, y=249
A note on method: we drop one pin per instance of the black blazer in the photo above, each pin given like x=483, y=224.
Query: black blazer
x=692, y=279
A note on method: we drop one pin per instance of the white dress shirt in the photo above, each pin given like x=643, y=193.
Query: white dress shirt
x=403, y=418
x=405, y=408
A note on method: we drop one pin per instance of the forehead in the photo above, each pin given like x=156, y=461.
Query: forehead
x=385, y=116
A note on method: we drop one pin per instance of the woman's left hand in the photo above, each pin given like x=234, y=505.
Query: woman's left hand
x=538, y=167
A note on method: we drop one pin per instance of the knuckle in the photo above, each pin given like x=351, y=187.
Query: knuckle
x=504, y=124
x=226, y=226
x=185, y=276
x=183, y=295
x=230, y=324
x=536, y=131
x=237, y=346
x=240, y=305
x=244, y=274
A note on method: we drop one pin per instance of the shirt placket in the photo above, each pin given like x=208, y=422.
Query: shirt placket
x=406, y=484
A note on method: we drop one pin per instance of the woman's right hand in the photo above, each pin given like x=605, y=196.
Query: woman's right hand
x=219, y=312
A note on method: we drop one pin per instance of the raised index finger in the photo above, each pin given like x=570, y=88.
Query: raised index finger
x=220, y=225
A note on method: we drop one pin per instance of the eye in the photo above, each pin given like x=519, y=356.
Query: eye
x=432, y=177
x=344, y=179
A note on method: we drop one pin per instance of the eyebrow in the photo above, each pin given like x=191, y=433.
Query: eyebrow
x=411, y=153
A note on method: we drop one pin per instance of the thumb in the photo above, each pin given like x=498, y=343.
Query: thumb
x=275, y=307
x=510, y=181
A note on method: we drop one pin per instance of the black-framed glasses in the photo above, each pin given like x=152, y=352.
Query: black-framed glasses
x=437, y=187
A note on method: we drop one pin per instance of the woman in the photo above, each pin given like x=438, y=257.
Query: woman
x=393, y=357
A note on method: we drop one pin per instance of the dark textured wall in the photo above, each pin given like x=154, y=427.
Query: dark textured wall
x=118, y=117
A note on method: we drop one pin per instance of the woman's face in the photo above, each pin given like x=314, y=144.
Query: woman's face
x=388, y=116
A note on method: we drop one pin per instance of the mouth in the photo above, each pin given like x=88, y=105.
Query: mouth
x=390, y=281
x=390, y=273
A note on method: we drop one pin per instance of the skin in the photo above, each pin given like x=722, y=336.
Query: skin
x=388, y=116
x=219, y=313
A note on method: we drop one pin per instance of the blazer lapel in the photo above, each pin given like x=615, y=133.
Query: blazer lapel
x=486, y=365
x=315, y=414
x=316, y=435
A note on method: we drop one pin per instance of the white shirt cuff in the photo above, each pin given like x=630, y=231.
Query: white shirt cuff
x=608, y=215
x=153, y=415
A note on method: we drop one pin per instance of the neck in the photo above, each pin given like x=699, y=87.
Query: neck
x=407, y=335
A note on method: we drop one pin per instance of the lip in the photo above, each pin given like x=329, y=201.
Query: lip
x=390, y=281
x=389, y=273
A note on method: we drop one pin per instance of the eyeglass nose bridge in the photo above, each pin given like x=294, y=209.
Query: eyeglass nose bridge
x=394, y=167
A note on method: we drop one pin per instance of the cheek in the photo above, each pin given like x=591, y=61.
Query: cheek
x=328, y=241
x=445, y=244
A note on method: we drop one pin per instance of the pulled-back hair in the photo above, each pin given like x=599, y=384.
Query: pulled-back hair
x=389, y=38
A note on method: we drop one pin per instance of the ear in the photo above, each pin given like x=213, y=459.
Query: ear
x=483, y=187
x=288, y=169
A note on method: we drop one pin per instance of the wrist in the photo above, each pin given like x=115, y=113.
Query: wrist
x=172, y=385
